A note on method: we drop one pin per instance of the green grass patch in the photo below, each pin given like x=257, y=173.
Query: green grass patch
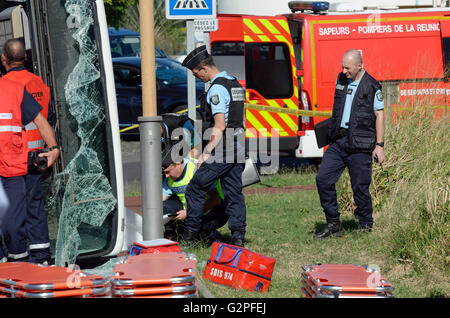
x=411, y=235
x=410, y=239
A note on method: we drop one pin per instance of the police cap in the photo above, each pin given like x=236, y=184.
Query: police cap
x=166, y=158
x=170, y=155
x=195, y=57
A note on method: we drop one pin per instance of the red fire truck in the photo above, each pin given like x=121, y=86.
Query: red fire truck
x=289, y=63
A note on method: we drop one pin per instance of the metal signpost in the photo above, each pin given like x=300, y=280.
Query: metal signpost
x=150, y=133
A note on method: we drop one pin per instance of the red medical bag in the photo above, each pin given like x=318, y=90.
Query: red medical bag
x=239, y=268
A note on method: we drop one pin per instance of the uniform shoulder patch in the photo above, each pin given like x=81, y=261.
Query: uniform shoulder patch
x=379, y=96
x=215, y=99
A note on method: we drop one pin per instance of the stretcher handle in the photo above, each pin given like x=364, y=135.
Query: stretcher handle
x=57, y=294
x=235, y=257
x=357, y=289
x=190, y=295
x=154, y=290
x=57, y=285
x=155, y=281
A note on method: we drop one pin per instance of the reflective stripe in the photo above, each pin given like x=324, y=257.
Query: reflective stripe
x=37, y=246
x=35, y=144
x=5, y=115
x=31, y=126
x=10, y=128
x=3, y=260
x=17, y=256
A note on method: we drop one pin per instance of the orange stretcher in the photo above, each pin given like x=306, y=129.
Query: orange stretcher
x=344, y=280
x=79, y=292
x=37, y=281
x=169, y=274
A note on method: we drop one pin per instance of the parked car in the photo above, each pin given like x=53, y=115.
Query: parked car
x=171, y=85
x=125, y=42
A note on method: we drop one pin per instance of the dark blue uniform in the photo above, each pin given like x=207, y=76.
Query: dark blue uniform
x=13, y=222
x=353, y=135
x=225, y=163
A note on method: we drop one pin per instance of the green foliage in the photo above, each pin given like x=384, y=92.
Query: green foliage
x=170, y=35
x=115, y=9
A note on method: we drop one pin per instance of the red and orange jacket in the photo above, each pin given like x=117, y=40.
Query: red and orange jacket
x=41, y=92
x=13, y=140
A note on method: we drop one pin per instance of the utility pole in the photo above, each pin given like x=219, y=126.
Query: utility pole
x=150, y=131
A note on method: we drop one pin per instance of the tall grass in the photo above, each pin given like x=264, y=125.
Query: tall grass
x=411, y=194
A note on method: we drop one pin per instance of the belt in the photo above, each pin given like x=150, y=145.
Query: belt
x=342, y=132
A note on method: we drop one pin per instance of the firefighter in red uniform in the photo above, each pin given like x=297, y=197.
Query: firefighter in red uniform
x=13, y=59
x=18, y=108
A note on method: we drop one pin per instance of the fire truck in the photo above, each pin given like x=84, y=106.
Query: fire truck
x=289, y=62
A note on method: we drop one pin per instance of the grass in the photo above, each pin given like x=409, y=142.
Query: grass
x=411, y=198
x=282, y=226
x=410, y=239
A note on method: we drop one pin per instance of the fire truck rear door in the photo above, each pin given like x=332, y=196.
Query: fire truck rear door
x=270, y=75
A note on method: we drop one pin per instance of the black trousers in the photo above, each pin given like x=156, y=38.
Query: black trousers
x=36, y=223
x=12, y=224
x=230, y=175
x=334, y=161
x=211, y=221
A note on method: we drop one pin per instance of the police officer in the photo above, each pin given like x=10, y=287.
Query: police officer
x=178, y=129
x=18, y=108
x=178, y=173
x=13, y=59
x=223, y=154
x=357, y=131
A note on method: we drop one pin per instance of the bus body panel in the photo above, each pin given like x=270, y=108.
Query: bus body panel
x=68, y=46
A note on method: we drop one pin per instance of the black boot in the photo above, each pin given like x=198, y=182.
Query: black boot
x=365, y=228
x=237, y=242
x=189, y=236
x=333, y=228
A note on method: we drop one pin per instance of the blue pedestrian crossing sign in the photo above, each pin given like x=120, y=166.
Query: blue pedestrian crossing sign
x=190, y=9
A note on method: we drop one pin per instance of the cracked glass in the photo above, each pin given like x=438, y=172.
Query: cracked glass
x=81, y=200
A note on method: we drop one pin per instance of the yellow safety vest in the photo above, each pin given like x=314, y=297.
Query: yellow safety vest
x=178, y=187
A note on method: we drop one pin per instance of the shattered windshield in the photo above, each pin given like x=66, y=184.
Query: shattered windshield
x=82, y=199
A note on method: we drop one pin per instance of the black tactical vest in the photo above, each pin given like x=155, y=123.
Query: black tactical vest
x=236, y=107
x=170, y=122
x=361, y=127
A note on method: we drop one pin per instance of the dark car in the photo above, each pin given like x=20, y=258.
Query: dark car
x=171, y=85
x=125, y=42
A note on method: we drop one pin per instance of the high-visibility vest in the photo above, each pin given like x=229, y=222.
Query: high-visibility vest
x=13, y=141
x=41, y=92
x=178, y=187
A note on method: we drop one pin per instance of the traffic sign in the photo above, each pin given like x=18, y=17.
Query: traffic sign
x=206, y=25
x=190, y=9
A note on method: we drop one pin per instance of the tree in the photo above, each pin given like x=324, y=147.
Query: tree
x=170, y=35
x=115, y=9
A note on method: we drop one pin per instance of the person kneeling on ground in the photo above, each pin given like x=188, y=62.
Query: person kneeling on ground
x=177, y=175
